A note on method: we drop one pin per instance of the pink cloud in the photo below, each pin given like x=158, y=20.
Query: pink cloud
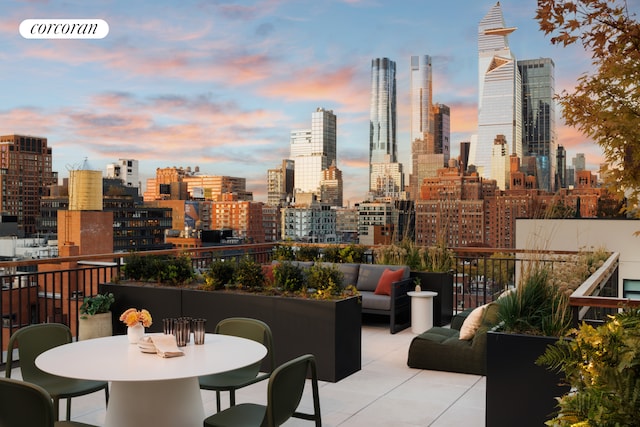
x=464, y=117
x=342, y=86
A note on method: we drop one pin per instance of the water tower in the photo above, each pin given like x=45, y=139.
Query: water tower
x=85, y=189
x=85, y=229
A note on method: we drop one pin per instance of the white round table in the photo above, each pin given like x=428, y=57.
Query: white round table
x=146, y=389
x=421, y=310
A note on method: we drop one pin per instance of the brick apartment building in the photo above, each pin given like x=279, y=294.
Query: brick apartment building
x=25, y=174
x=462, y=209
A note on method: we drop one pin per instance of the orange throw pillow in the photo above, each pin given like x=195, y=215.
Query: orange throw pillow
x=386, y=279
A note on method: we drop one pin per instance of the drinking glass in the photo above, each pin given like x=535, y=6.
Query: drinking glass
x=198, y=330
x=168, y=325
x=182, y=332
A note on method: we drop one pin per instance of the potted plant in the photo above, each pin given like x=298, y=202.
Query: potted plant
x=95, y=316
x=602, y=367
x=532, y=316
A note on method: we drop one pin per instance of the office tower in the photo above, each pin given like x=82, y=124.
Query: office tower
x=25, y=174
x=280, y=183
x=538, y=118
x=331, y=186
x=464, y=155
x=561, y=167
x=500, y=161
x=125, y=170
x=313, y=150
x=579, y=162
x=442, y=130
x=386, y=177
x=499, y=102
x=422, y=120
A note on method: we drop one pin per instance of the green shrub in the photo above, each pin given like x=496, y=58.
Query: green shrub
x=322, y=277
x=100, y=303
x=602, y=366
x=308, y=253
x=353, y=254
x=248, y=274
x=283, y=253
x=218, y=274
x=160, y=268
x=536, y=307
x=289, y=277
x=331, y=254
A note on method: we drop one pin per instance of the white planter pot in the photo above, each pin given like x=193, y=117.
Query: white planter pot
x=96, y=326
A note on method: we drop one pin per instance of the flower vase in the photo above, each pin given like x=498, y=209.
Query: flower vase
x=134, y=333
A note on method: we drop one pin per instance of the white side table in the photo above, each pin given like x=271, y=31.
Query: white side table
x=421, y=310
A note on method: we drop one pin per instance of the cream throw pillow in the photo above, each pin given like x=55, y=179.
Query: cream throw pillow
x=472, y=323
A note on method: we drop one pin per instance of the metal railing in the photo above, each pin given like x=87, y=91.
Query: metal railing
x=52, y=290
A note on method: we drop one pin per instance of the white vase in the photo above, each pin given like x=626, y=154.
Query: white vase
x=134, y=333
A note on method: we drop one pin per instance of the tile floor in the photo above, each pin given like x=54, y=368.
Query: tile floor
x=385, y=392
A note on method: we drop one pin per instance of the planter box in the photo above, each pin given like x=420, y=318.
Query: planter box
x=161, y=302
x=331, y=330
x=442, y=283
x=519, y=392
x=95, y=326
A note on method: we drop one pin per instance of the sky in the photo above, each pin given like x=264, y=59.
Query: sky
x=220, y=84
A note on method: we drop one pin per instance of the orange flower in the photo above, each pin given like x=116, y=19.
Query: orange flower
x=131, y=317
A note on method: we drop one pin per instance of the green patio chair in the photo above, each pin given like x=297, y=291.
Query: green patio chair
x=284, y=392
x=231, y=381
x=33, y=340
x=24, y=404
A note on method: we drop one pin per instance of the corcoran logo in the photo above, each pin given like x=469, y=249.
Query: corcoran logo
x=64, y=29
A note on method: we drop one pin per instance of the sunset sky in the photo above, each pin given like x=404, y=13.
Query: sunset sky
x=220, y=85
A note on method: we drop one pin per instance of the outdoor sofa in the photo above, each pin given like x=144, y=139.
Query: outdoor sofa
x=442, y=349
x=391, y=298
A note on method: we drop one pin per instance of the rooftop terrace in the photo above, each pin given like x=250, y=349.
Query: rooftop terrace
x=385, y=392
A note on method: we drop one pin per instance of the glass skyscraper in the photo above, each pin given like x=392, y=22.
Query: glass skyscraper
x=499, y=103
x=422, y=121
x=539, y=123
x=313, y=150
x=383, y=149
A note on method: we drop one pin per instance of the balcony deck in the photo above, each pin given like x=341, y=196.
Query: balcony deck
x=385, y=392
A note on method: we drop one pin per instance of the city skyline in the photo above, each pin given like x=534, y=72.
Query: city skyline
x=221, y=86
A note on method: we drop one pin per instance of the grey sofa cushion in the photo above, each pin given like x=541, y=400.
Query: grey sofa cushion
x=375, y=302
x=369, y=275
x=349, y=272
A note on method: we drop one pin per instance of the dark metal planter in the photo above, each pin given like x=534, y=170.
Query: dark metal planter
x=331, y=330
x=442, y=283
x=519, y=392
x=161, y=301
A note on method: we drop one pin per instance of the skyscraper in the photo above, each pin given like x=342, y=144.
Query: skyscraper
x=442, y=130
x=422, y=120
x=280, y=183
x=499, y=103
x=331, y=186
x=561, y=168
x=313, y=150
x=25, y=162
x=386, y=177
x=538, y=114
x=579, y=162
